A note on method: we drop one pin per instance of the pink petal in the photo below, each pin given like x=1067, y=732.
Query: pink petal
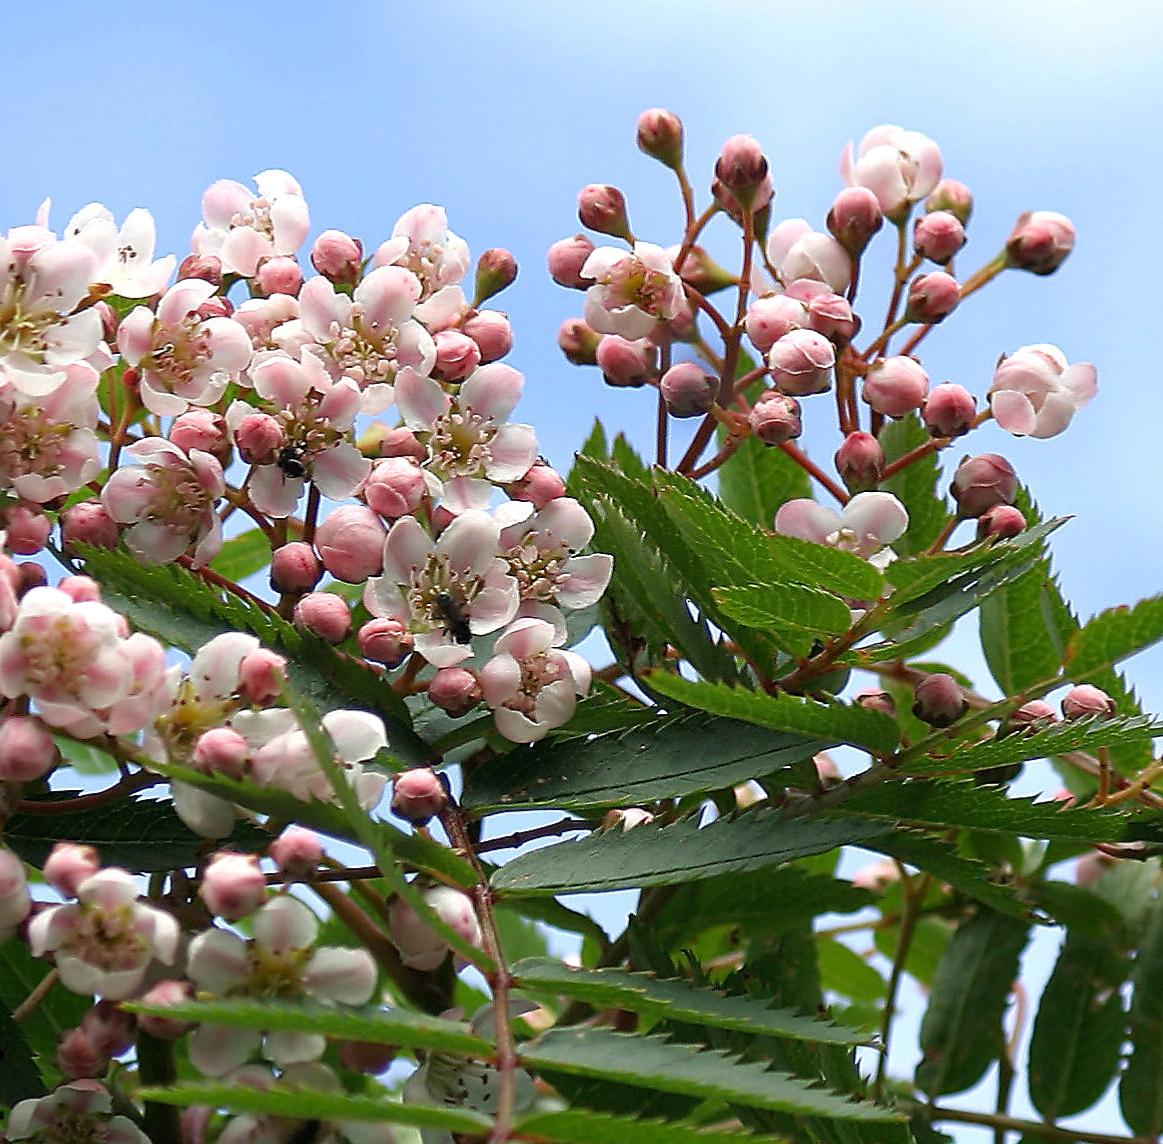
x=420, y=400
x=388, y=296
x=1082, y=381
x=875, y=515
x=242, y=249
x=1056, y=413
x=807, y=520
x=340, y=471
x=585, y=580
x=344, y=975
x=357, y=735
x=405, y=550
x=1014, y=412
x=284, y=924
x=493, y=390
x=470, y=541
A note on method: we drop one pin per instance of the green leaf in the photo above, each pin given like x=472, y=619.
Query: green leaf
x=770, y=900
x=793, y=613
x=915, y=486
x=669, y=758
x=676, y=999
x=19, y=1077
x=658, y=855
x=1140, y=1089
x=314, y=1104
x=964, y=805
x=961, y=1033
x=176, y=607
x=844, y=971
x=140, y=834
x=930, y=940
x=584, y=1126
x=242, y=556
x=380, y=1026
x=1040, y=743
x=757, y=479
x=85, y=758
x=1114, y=635
x=652, y=1062
x=831, y=722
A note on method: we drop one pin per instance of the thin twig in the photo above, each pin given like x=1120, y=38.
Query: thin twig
x=38, y=994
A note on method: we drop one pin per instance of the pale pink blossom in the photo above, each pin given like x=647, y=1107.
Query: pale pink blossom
x=278, y=960
x=448, y=590
x=422, y=243
x=240, y=227
x=124, y=255
x=1035, y=392
x=104, y=942
x=632, y=291
x=797, y=251
x=532, y=685
x=168, y=500
x=420, y=946
x=867, y=524
x=82, y=1110
x=182, y=358
x=471, y=446
x=900, y=167
x=233, y=885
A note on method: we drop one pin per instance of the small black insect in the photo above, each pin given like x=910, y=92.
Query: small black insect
x=455, y=621
x=290, y=460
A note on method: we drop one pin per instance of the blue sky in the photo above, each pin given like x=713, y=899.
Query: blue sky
x=502, y=111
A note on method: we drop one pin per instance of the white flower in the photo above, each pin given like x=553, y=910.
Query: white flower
x=1035, y=392
x=632, y=291
x=124, y=256
x=79, y=1111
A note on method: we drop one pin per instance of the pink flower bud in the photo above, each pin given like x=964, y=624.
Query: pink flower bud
x=1002, y=520
x=78, y=1057
x=566, y=257
x=952, y=196
x=216, y=306
x=496, y=271
x=350, y=541
x=384, y=641
x=338, y=257
x=259, y=438
x=28, y=529
x=325, y=615
x=31, y=575
x=578, y=342
x=166, y=993
x=1093, y=866
x=626, y=363
x=366, y=1057
x=602, y=208
x=221, y=751
x=202, y=429
x=419, y=946
x=688, y=390
x=932, y=297
x=1040, y=242
x=771, y=317
x=109, y=320
x=831, y=315
x=380, y=441
x=826, y=770
x=939, y=700
x=492, y=333
x=660, y=135
x=983, y=481
x=540, y=485
x=419, y=795
x=68, y=865
x=109, y=1028
x=457, y=355
x=261, y=676
x=208, y=267
x=1085, y=700
x=938, y=236
x=1033, y=714
x=628, y=819
x=949, y=410
x=854, y=218
x=295, y=568
x=88, y=523
x=80, y=589
x=775, y=418
x=27, y=750
x=742, y=168
x=801, y=363
x=233, y=886
x=395, y=487
x=279, y=275
x=297, y=852
x=455, y=690
x=876, y=700
x=896, y=386
x=860, y=461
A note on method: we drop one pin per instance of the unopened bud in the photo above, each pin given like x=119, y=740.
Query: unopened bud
x=380, y=441
x=109, y=320
x=27, y=750
x=566, y=257
x=688, y=390
x=259, y=438
x=278, y=275
x=983, y=481
x=625, y=363
x=860, y=461
x=366, y=1056
x=939, y=700
x=1003, y=520
x=775, y=418
x=385, y=641
x=30, y=575
x=295, y=568
x=110, y=1028
x=208, y=267
x=262, y=675
x=938, y=236
x=420, y=947
x=88, y=523
x=27, y=527
x=952, y=196
x=202, y=429
x=660, y=135
x=1040, y=242
x=78, y=1058
x=68, y=865
x=932, y=297
x=457, y=355
x=493, y=334
x=896, y=386
x=578, y=342
x=297, y=852
x=350, y=540
x=338, y=257
x=325, y=615
x=233, y=886
x=831, y=315
x=540, y=485
x=771, y=317
x=455, y=690
x=801, y=363
x=419, y=795
x=602, y=207
x=221, y=751
x=1085, y=700
x=874, y=699
x=854, y=218
x=949, y=410
x=496, y=271
x=742, y=169
x=166, y=993
x=80, y=589
x=394, y=488
x=1030, y=716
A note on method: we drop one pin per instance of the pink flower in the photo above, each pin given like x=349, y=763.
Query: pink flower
x=471, y=446
x=422, y=243
x=278, y=961
x=445, y=591
x=124, y=256
x=900, y=167
x=105, y=941
x=78, y=1111
x=241, y=228
x=797, y=251
x=867, y=523
x=632, y=292
x=532, y=685
x=182, y=359
x=1035, y=393
x=48, y=448
x=168, y=501
x=422, y=947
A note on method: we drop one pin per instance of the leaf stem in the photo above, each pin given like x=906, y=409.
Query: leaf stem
x=1026, y=1127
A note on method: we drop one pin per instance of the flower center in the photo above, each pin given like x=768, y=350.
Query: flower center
x=179, y=354
x=106, y=938
x=364, y=351
x=460, y=442
x=440, y=596
x=24, y=330
x=538, y=571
